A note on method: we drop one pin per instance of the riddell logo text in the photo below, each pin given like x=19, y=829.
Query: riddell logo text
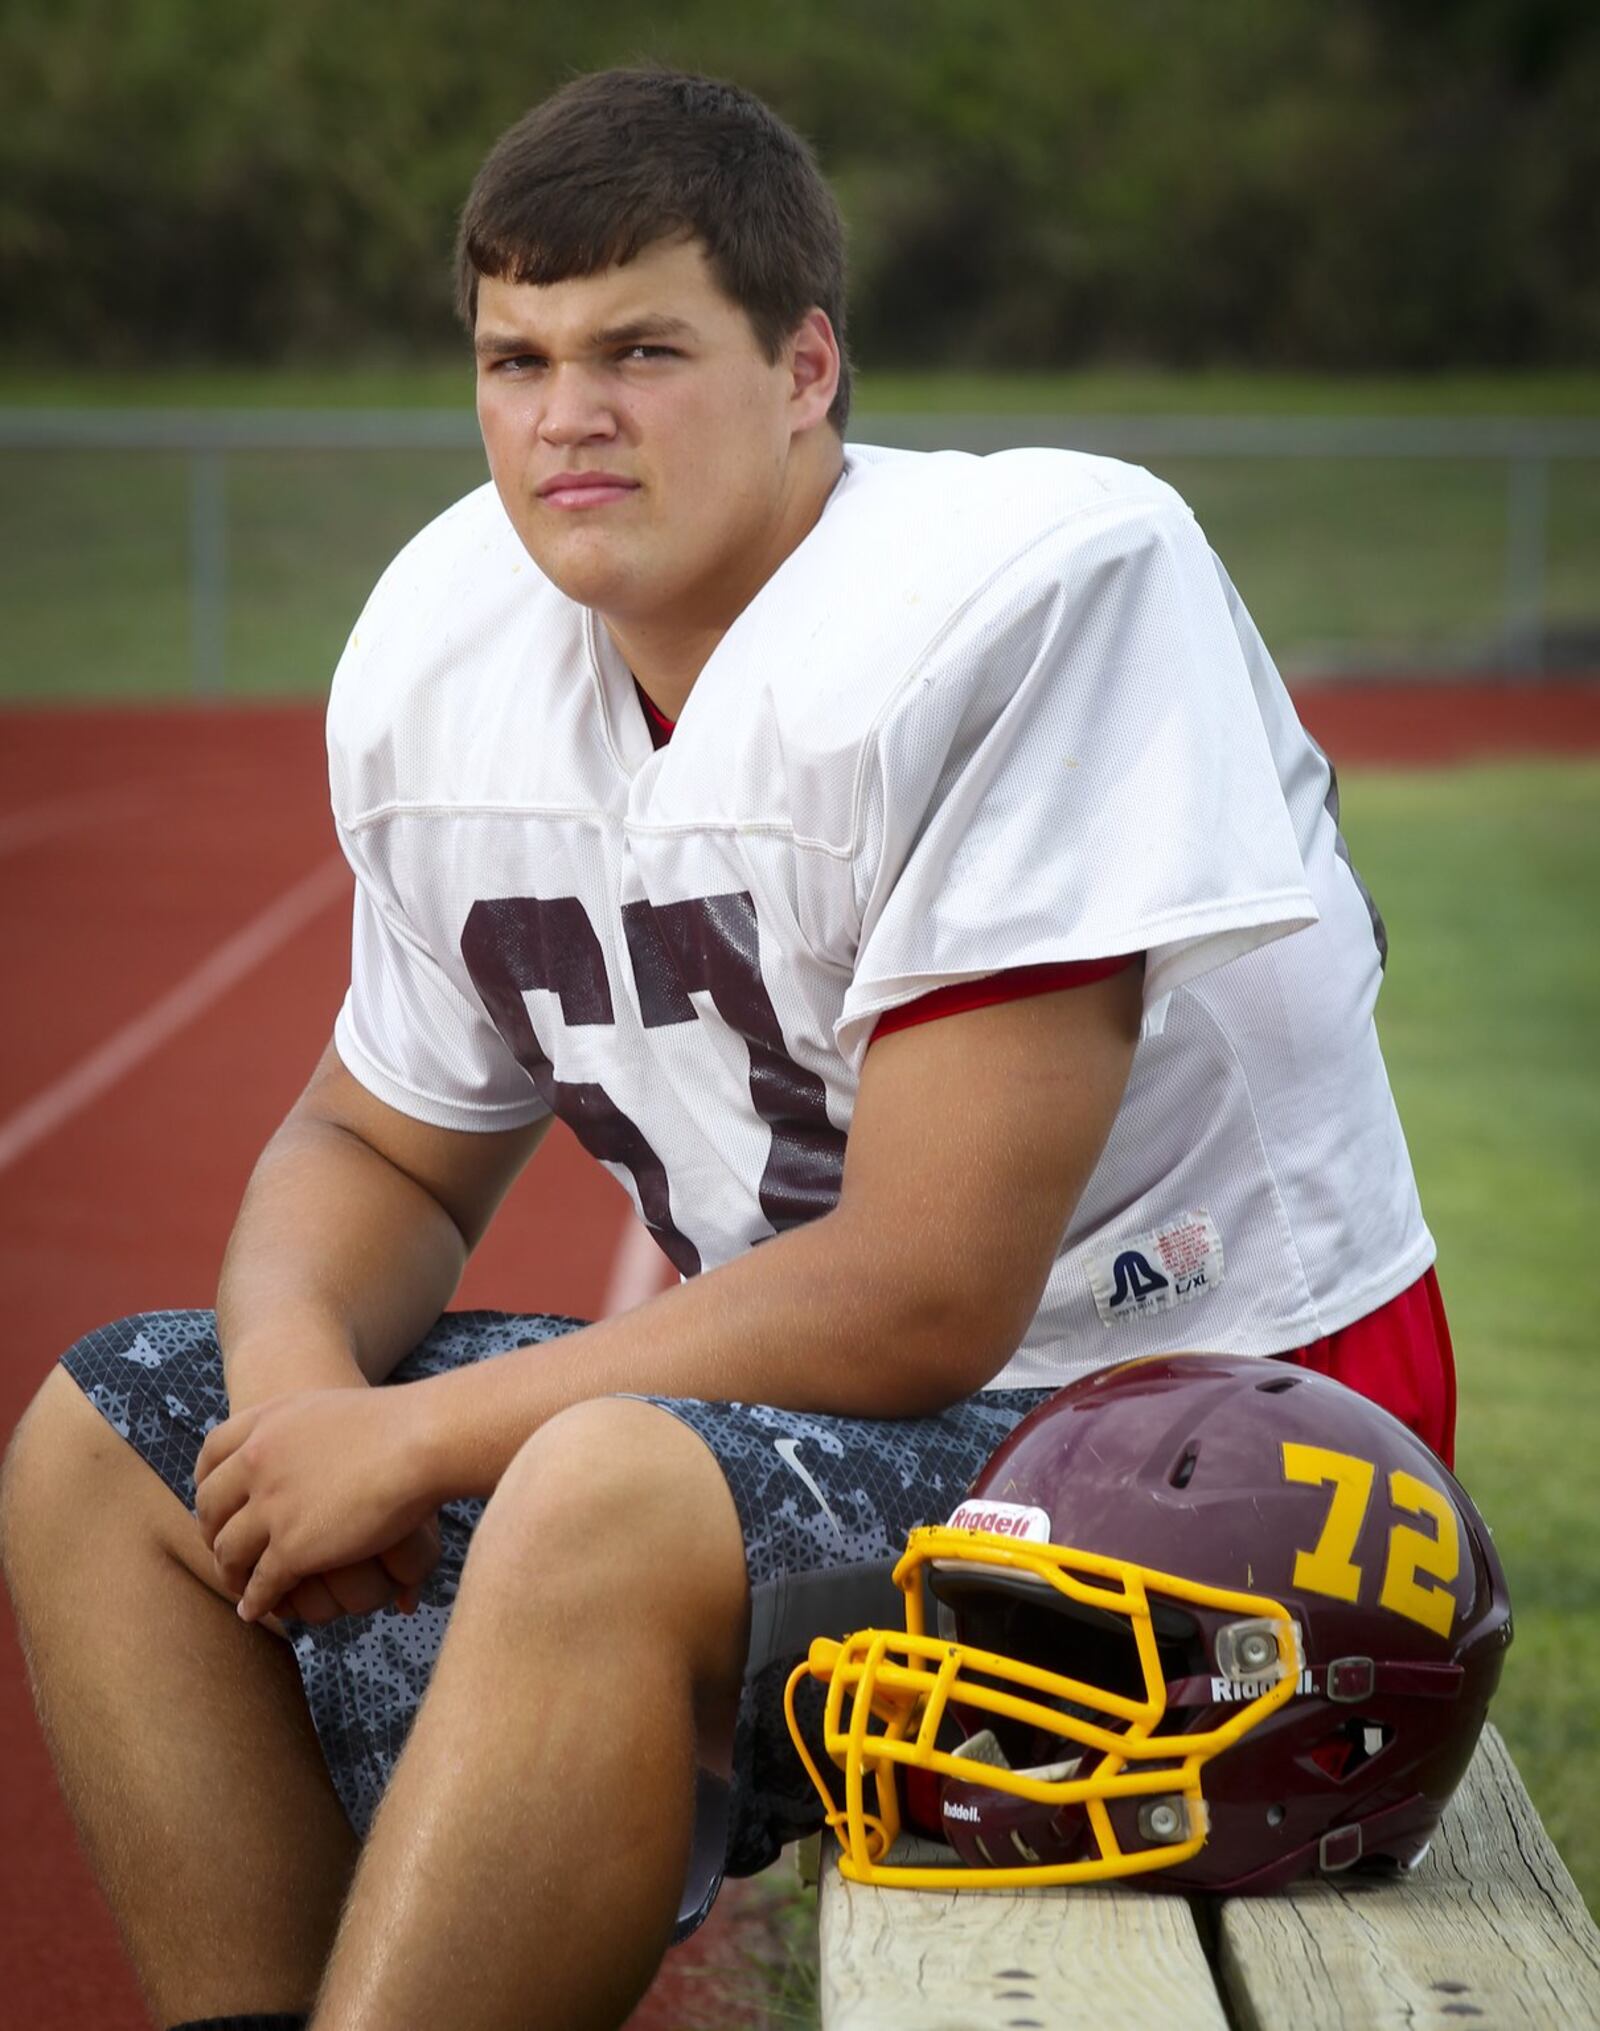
x=1226, y=1690
x=1001, y=1522
x=954, y=1811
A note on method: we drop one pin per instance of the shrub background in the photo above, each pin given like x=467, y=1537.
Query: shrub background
x=1028, y=182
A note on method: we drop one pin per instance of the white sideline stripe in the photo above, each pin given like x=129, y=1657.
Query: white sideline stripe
x=36, y=823
x=638, y=1271
x=136, y=1040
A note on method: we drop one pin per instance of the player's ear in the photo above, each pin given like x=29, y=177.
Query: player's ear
x=813, y=357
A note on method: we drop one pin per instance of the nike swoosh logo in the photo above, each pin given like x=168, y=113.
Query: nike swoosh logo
x=788, y=1451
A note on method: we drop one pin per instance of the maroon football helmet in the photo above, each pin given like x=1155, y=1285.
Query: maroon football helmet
x=1208, y=1618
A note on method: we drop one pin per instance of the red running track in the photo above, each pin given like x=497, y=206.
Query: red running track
x=175, y=937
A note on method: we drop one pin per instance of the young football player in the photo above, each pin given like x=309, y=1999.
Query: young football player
x=887, y=865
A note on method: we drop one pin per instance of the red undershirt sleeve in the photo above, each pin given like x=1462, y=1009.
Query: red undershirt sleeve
x=1017, y=984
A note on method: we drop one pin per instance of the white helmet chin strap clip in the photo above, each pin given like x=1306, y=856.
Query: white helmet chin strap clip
x=1339, y=1849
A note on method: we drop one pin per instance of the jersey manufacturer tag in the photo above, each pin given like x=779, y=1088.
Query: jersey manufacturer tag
x=1140, y=1274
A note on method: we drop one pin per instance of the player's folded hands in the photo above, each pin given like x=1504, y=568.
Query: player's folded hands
x=394, y=1577
x=310, y=1485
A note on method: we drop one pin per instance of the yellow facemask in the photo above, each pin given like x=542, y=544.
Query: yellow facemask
x=888, y=1693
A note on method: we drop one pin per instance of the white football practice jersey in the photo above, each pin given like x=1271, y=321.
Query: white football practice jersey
x=992, y=713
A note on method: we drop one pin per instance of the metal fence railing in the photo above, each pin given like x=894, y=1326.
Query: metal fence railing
x=1511, y=632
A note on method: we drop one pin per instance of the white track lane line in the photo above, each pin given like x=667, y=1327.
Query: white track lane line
x=37, y=823
x=195, y=993
x=638, y=1270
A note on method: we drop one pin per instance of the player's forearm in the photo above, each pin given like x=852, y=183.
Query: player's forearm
x=337, y=1265
x=822, y=1318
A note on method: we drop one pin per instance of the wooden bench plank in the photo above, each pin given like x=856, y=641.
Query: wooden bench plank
x=1490, y=1929
x=926, y=1960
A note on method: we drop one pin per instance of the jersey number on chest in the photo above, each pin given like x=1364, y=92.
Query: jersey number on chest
x=709, y=945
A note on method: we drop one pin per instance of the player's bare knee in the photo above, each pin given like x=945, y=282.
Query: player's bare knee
x=586, y=1487
x=41, y=1461
x=57, y=1430
x=603, y=1491
x=66, y=1473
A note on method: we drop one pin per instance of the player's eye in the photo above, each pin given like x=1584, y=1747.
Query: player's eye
x=643, y=352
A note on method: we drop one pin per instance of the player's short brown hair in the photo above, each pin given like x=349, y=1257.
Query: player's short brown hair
x=620, y=159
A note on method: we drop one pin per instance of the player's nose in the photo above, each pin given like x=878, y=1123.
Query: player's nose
x=574, y=409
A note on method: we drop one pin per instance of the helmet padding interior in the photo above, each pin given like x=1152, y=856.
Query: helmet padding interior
x=1019, y=1617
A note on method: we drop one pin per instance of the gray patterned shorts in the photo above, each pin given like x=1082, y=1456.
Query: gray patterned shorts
x=825, y=1504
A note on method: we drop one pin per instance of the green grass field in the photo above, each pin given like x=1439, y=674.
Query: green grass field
x=1490, y=1019
x=1377, y=562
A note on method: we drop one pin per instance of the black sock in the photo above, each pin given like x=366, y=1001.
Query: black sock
x=252, y=2020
